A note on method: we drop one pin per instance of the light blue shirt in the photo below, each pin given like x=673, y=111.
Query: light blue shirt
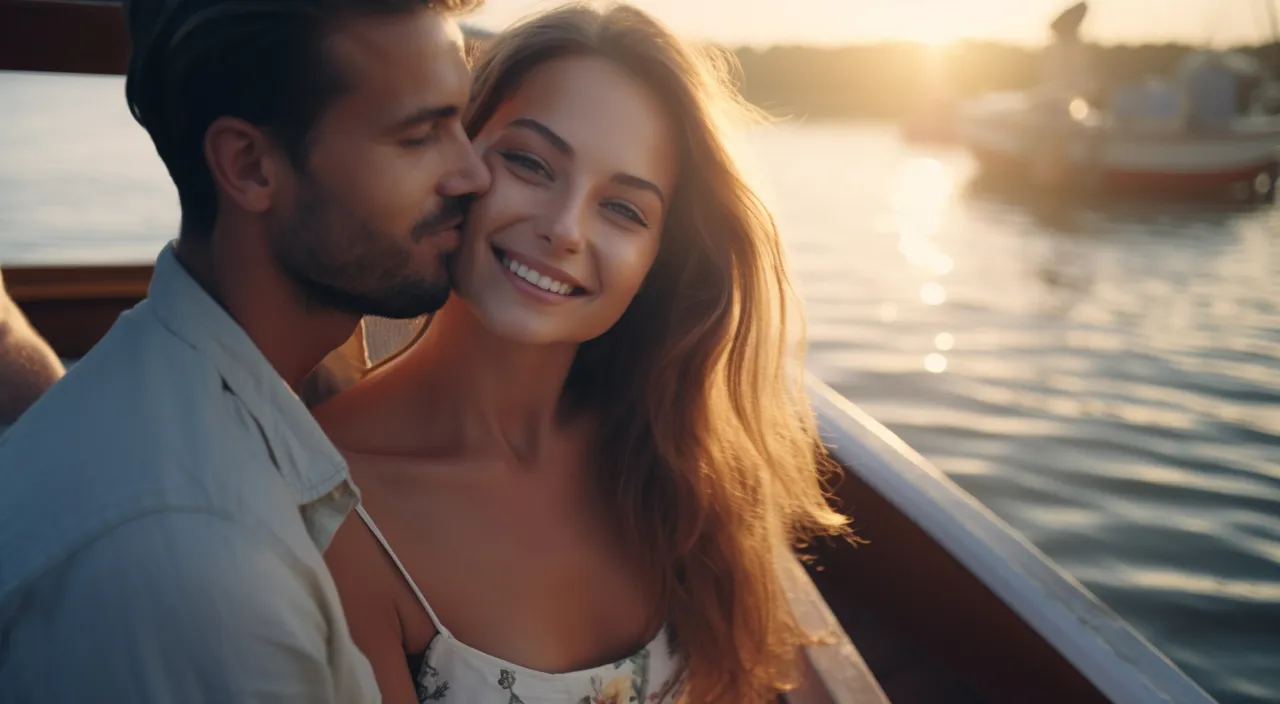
x=162, y=513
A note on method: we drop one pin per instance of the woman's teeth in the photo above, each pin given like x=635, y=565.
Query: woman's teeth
x=542, y=281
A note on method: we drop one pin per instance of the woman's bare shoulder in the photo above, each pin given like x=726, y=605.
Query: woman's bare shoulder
x=371, y=592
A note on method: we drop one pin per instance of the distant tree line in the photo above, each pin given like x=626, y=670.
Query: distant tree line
x=889, y=81
x=894, y=80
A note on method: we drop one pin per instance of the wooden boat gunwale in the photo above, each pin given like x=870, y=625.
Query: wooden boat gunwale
x=32, y=284
x=72, y=307
x=1119, y=661
x=66, y=36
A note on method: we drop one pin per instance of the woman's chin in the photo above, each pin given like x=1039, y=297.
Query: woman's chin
x=510, y=319
x=520, y=327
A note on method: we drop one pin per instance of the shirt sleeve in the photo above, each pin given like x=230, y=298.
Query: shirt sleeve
x=179, y=607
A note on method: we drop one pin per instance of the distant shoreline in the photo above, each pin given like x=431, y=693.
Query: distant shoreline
x=894, y=80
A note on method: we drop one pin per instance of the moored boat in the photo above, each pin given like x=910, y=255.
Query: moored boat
x=1006, y=135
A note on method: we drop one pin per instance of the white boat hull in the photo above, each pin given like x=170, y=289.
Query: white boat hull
x=1003, y=134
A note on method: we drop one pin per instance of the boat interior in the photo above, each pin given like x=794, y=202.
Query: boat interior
x=917, y=619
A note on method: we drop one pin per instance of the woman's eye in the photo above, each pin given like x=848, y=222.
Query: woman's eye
x=628, y=212
x=528, y=163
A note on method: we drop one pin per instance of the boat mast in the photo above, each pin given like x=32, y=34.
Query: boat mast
x=1273, y=51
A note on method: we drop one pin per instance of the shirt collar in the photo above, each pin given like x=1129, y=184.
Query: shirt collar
x=307, y=460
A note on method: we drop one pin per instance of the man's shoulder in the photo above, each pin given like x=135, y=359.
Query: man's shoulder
x=216, y=609
x=141, y=425
x=138, y=400
x=177, y=543
x=195, y=548
x=136, y=358
x=168, y=522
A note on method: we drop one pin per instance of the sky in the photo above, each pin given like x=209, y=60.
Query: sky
x=757, y=22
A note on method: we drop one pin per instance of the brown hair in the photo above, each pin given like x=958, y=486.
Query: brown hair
x=708, y=439
x=259, y=60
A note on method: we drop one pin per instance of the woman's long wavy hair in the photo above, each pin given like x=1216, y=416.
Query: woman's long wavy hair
x=707, y=439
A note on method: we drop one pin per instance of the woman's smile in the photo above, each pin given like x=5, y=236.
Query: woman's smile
x=538, y=280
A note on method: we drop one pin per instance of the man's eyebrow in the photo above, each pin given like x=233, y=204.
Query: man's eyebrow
x=558, y=142
x=424, y=115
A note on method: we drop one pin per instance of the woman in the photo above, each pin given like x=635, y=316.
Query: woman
x=577, y=480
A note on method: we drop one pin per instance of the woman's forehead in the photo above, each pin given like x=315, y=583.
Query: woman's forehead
x=603, y=113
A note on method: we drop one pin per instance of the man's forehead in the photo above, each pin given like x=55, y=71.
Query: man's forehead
x=400, y=41
x=405, y=57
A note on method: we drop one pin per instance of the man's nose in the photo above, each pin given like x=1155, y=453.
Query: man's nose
x=469, y=177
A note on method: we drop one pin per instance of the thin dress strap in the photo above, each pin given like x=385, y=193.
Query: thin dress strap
x=364, y=516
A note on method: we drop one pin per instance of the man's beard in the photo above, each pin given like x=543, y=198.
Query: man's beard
x=342, y=263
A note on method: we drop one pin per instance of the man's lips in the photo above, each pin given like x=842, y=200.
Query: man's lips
x=452, y=224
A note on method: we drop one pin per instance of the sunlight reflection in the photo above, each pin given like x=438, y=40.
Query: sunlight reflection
x=917, y=225
x=935, y=363
x=1079, y=109
x=921, y=198
x=944, y=341
x=923, y=184
x=933, y=293
x=943, y=265
x=925, y=254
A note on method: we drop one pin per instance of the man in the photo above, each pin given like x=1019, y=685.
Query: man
x=1065, y=89
x=164, y=507
x=1066, y=73
x=27, y=365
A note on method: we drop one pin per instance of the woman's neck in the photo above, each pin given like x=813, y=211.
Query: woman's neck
x=497, y=390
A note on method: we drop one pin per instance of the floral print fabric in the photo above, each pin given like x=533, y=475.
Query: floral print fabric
x=453, y=672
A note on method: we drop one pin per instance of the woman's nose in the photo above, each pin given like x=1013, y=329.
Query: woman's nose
x=563, y=231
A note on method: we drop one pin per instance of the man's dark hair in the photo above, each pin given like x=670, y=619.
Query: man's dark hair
x=262, y=61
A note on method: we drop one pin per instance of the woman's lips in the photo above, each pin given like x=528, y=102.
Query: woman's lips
x=549, y=287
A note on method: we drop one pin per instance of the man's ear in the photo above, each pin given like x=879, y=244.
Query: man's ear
x=247, y=167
